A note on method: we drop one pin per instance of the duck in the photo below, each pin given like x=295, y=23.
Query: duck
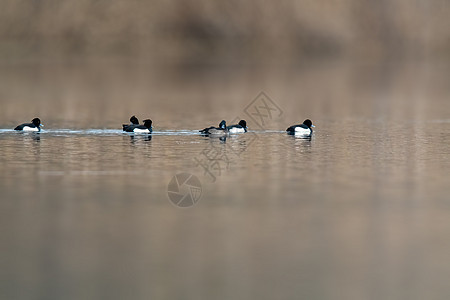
x=133, y=123
x=304, y=129
x=241, y=127
x=146, y=128
x=34, y=126
x=221, y=130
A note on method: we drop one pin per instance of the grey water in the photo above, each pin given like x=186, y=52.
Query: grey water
x=359, y=211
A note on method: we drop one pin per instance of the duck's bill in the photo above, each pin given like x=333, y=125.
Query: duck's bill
x=312, y=126
x=42, y=125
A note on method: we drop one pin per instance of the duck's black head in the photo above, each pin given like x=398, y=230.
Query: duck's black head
x=148, y=123
x=223, y=124
x=36, y=122
x=308, y=123
x=243, y=123
x=134, y=120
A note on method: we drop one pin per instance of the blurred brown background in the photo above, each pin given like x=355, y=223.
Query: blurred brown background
x=90, y=63
x=198, y=32
x=359, y=212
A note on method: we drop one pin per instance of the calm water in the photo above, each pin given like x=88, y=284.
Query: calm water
x=360, y=211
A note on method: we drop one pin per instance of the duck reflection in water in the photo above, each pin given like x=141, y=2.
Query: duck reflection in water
x=137, y=138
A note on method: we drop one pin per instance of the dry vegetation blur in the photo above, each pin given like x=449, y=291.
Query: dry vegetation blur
x=204, y=31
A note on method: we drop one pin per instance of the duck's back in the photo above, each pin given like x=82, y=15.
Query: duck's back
x=206, y=130
x=27, y=127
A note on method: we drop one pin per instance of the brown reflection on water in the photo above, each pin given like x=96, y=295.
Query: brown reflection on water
x=360, y=211
x=104, y=94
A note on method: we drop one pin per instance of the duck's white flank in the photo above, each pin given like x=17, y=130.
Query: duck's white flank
x=302, y=131
x=138, y=130
x=27, y=128
x=236, y=130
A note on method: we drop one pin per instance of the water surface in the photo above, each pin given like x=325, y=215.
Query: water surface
x=360, y=211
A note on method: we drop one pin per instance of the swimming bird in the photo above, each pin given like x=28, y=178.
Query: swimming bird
x=146, y=128
x=304, y=129
x=221, y=130
x=241, y=127
x=133, y=122
x=35, y=126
